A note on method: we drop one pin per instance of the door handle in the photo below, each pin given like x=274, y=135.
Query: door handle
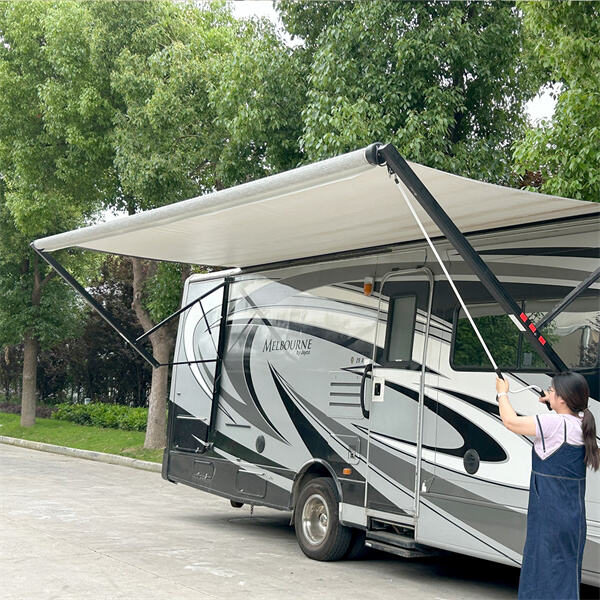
x=363, y=408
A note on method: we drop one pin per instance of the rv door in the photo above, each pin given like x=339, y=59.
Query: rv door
x=197, y=364
x=397, y=394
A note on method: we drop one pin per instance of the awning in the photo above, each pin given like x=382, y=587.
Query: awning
x=340, y=204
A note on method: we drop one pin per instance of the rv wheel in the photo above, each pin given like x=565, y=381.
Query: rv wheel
x=319, y=533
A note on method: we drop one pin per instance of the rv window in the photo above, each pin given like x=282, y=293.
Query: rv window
x=400, y=329
x=499, y=333
x=574, y=335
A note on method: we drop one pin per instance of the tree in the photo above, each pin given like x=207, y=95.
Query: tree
x=257, y=90
x=566, y=150
x=199, y=113
x=52, y=179
x=127, y=105
x=444, y=82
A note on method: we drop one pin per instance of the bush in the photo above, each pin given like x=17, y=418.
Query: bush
x=114, y=416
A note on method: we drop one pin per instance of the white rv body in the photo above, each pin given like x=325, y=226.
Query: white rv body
x=293, y=343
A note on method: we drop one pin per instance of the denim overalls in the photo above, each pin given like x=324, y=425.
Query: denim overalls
x=556, y=527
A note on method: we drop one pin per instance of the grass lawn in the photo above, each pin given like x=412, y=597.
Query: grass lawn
x=64, y=433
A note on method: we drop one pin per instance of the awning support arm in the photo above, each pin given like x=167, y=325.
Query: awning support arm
x=182, y=309
x=68, y=278
x=399, y=167
x=572, y=295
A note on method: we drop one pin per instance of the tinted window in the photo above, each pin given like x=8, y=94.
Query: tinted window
x=400, y=329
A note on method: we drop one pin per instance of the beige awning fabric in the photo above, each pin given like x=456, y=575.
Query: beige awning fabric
x=340, y=204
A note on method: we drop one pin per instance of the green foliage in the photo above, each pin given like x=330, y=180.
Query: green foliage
x=163, y=291
x=501, y=336
x=165, y=144
x=53, y=176
x=443, y=81
x=207, y=102
x=55, y=317
x=50, y=177
x=63, y=433
x=566, y=150
x=307, y=20
x=115, y=416
x=509, y=347
x=257, y=91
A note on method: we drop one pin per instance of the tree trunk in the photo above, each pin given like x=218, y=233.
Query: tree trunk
x=156, y=428
x=163, y=342
x=30, y=355
x=28, y=399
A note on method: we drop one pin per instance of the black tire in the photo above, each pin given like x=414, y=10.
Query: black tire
x=316, y=520
x=357, y=549
x=236, y=504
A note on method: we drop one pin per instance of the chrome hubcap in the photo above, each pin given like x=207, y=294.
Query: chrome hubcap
x=315, y=519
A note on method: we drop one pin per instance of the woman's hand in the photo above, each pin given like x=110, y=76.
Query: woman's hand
x=516, y=424
x=501, y=386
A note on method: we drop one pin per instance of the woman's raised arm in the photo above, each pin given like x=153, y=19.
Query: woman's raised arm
x=512, y=421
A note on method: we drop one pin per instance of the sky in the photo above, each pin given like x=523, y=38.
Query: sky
x=254, y=8
x=540, y=107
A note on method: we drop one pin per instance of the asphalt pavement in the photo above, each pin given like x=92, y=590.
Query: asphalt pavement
x=73, y=529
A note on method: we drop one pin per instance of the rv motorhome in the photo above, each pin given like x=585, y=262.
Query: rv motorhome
x=335, y=373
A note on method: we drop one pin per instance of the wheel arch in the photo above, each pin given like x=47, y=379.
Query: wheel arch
x=311, y=470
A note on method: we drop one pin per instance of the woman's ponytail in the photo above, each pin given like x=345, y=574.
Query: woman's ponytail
x=588, y=427
x=574, y=390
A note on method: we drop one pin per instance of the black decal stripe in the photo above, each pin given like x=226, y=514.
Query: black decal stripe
x=391, y=481
x=208, y=377
x=250, y=384
x=491, y=409
x=331, y=426
x=234, y=309
x=576, y=252
x=313, y=440
x=474, y=437
x=346, y=341
x=225, y=397
x=389, y=478
x=444, y=467
x=230, y=446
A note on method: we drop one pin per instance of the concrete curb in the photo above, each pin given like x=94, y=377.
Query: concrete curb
x=112, y=459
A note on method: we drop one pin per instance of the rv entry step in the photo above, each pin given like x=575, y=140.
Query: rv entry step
x=394, y=543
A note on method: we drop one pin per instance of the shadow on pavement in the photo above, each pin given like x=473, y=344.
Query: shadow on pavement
x=446, y=565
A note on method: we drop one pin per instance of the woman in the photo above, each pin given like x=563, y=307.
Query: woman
x=565, y=444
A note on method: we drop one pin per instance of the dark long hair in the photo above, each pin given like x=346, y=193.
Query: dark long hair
x=574, y=390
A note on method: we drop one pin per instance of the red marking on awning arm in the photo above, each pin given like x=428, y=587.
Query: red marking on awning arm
x=523, y=317
x=542, y=340
x=532, y=327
